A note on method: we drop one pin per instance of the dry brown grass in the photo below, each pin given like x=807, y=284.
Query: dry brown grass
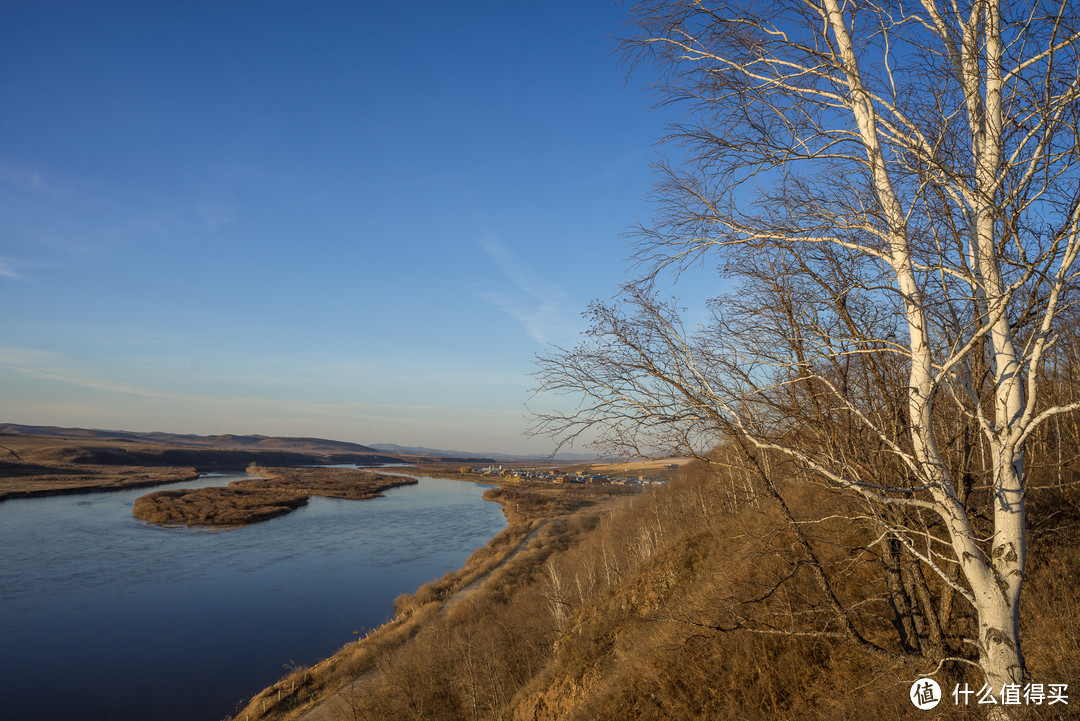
x=293, y=694
x=1050, y=619
x=43, y=465
x=615, y=611
x=276, y=492
x=649, y=590
x=638, y=466
x=526, y=502
x=24, y=480
x=215, y=506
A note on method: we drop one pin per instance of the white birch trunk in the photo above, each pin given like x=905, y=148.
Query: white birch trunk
x=998, y=592
x=995, y=584
x=968, y=217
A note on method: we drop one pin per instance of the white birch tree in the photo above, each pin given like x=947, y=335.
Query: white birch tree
x=897, y=187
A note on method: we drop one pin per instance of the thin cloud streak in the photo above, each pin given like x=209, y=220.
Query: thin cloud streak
x=540, y=308
x=13, y=268
x=6, y=270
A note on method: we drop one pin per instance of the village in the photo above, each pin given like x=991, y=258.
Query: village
x=554, y=475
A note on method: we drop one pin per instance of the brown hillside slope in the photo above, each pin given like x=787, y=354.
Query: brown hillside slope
x=642, y=611
x=648, y=644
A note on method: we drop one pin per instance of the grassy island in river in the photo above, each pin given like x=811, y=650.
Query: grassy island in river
x=275, y=493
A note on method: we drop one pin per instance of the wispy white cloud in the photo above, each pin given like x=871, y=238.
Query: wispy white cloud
x=15, y=268
x=542, y=308
x=7, y=271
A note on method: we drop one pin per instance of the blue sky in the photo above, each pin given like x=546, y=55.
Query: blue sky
x=354, y=220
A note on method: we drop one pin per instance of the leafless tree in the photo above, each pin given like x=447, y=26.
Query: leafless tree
x=894, y=190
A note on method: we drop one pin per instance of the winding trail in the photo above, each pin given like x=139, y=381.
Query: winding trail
x=473, y=587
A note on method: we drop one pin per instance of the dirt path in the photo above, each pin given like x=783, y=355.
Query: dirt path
x=337, y=706
x=477, y=583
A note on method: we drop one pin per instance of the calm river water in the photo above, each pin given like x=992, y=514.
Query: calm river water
x=104, y=617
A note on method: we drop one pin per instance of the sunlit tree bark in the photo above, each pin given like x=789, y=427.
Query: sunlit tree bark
x=896, y=189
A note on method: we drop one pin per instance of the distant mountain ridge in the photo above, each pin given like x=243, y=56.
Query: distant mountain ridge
x=223, y=442
x=292, y=444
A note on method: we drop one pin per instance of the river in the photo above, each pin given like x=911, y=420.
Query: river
x=107, y=618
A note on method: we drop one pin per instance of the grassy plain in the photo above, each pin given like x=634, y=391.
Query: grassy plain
x=41, y=465
x=641, y=466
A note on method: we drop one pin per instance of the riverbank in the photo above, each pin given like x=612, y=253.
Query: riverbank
x=93, y=595
x=543, y=518
x=637, y=610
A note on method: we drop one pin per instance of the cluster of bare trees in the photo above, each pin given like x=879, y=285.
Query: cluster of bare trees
x=892, y=192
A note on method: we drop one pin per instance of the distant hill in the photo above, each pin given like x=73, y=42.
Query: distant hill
x=223, y=442
x=320, y=446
